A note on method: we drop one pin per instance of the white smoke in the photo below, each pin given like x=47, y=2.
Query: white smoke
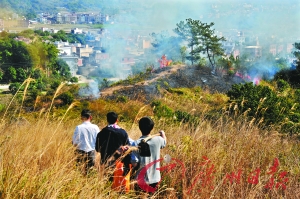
x=91, y=90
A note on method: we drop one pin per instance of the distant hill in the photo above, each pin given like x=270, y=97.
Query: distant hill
x=37, y=6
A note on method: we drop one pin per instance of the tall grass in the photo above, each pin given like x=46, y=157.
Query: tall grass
x=37, y=158
x=39, y=162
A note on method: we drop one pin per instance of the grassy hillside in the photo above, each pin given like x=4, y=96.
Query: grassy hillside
x=224, y=158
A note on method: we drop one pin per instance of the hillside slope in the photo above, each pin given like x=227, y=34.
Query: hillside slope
x=177, y=76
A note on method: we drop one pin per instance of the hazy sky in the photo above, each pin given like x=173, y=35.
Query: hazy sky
x=268, y=16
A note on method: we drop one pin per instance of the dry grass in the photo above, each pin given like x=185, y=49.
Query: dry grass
x=37, y=159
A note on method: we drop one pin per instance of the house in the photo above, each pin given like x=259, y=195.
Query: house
x=97, y=57
x=104, y=18
x=59, y=44
x=66, y=18
x=33, y=22
x=253, y=51
x=76, y=31
x=44, y=29
x=65, y=50
x=58, y=18
x=84, y=51
x=73, y=18
x=228, y=47
x=277, y=48
x=81, y=18
x=98, y=18
x=72, y=62
x=146, y=44
x=95, y=43
x=53, y=30
x=91, y=19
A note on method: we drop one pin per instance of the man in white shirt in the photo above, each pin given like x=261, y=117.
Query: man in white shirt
x=152, y=176
x=84, y=139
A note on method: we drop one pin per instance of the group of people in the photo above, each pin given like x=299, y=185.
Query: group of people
x=115, y=147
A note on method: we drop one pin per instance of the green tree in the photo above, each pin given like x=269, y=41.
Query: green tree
x=183, y=53
x=201, y=39
x=60, y=35
x=189, y=33
x=166, y=45
x=291, y=76
x=282, y=85
x=1, y=74
x=30, y=15
x=11, y=74
x=63, y=69
x=21, y=75
x=13, y=54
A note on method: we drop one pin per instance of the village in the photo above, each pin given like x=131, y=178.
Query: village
x=107, y=50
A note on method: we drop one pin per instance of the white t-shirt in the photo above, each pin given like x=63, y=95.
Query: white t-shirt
x=85, y=136
x=152, y=174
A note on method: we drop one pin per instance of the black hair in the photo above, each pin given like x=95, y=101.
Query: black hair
x=146, y=125
x=111, y=117
x=86, y=113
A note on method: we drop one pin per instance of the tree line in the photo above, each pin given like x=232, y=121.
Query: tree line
x=38, y=60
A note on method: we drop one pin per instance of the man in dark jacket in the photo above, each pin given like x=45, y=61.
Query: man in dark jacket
x=110, y=139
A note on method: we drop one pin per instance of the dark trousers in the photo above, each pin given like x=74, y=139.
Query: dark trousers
x=86, y=160
x=137, y=188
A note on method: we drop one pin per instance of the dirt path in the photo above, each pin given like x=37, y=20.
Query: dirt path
x=164, y=73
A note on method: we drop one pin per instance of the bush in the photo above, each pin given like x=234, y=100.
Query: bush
x=66, y=97
x=122, y=99
x=74, y=79
x=261, y=103
x=161, y=110
x=13, y=87
x=182, y=116
x=55, y=84
x=282, y=85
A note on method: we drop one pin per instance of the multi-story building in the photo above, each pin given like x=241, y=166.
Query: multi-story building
x=59, y=18
x=91, y=19
x=73, y=18
x=98, y=18
x=84, y=51
x=66, y=18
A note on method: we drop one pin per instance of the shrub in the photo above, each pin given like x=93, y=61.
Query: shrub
x=282, y=85
x=66, y=97
x=122, y=99
x=74, y=79
x=2, y=107
x=161, y=110
x=261, y=103
x=182, y=116
x=55, y=84
x=13, y=87
x=174, y=90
